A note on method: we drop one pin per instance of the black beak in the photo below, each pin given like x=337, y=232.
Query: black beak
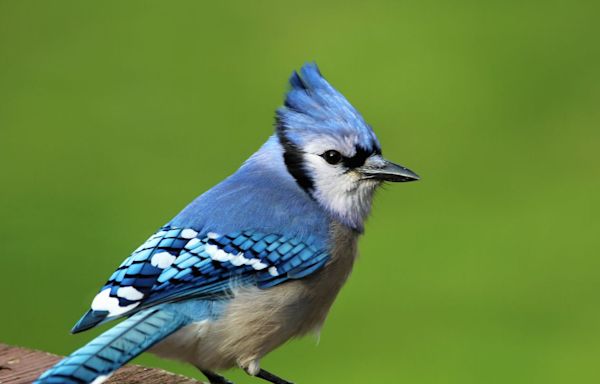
x=385, y=170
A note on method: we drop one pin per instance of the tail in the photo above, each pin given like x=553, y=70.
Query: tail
x=97, y=360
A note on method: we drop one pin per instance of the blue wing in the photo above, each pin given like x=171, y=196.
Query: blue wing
x=178, y=263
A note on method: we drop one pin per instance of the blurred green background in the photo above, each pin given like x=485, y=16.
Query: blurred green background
x=486, y=271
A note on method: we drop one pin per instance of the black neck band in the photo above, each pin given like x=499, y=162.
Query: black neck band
x=292, y=156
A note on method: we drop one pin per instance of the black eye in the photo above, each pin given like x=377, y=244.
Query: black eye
x=332, y=157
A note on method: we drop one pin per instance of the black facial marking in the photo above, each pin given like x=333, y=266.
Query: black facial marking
x=292, y=156
x=359, y=157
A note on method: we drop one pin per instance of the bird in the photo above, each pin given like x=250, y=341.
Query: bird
x=254, y=261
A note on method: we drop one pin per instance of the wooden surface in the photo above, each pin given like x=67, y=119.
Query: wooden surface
x=22, y=366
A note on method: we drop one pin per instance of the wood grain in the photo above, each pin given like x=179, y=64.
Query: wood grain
x=22, y=366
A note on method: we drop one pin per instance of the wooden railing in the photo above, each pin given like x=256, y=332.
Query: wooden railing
x=22, y=366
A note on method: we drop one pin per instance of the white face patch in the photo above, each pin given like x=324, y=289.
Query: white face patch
x=322, y=143
x=162, y=260
x=104, y=302
x=340, y=191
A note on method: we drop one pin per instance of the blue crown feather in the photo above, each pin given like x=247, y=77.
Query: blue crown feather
x=313, y=105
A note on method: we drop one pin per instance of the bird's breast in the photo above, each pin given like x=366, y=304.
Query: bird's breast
x=256, y=321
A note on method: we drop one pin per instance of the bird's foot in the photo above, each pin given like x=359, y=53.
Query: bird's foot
x=268, y=376
x=214, y=378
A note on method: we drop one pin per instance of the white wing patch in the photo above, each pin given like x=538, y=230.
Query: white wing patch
x=217, y=254
x=162, y=260
x=130, y=293
x=103, y=302
x=238, y=259
x=188, y=233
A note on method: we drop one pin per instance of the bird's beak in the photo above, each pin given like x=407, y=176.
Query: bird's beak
x=378, y=168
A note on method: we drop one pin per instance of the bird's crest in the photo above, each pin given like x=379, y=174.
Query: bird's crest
x=313, y=106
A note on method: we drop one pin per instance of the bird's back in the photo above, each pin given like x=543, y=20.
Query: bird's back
x=261, y=195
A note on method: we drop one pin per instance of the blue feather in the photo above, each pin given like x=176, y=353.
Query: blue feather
x=211, y=267
x=313, y=106
x=115, y=347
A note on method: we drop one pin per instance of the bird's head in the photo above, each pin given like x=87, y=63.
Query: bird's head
x=330, y=150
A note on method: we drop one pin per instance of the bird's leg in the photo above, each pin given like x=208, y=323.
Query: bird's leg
x=213, y=378
x=268, y=376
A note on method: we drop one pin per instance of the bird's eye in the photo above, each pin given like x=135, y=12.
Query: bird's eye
x=332, y=157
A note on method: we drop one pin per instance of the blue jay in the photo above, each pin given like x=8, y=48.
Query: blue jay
x=253, y=262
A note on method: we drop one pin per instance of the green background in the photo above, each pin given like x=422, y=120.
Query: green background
x=115, y=114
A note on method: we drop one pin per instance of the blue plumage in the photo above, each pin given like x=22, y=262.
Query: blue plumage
x=246, y=198
x=115, y=347
x=197, y=268
x=254, y=261
x=314, y=107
